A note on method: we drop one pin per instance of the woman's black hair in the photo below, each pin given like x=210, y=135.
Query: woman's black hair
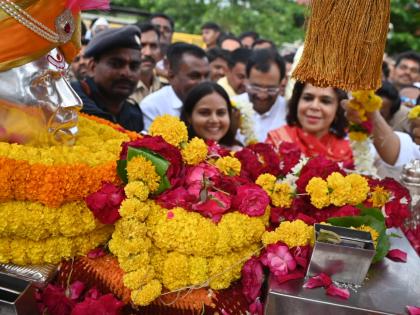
x=194, y=96
x=391, y=93
x=340, y=123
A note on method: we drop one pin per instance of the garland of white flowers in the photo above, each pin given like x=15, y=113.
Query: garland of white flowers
x=246, y=126
x=363, y=157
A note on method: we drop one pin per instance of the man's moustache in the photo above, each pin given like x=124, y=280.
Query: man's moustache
x=150, y=59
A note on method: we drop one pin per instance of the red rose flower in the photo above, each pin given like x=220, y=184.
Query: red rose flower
x=250, y=199
x=256, y=308
x=251, y=167
x=290, y=156
x=252, y=279
x=215, y=149
x=105, y=305
x=268, y=157
x=105, y=203
x=55, y=300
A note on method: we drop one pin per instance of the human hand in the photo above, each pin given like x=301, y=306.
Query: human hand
x=354, y=116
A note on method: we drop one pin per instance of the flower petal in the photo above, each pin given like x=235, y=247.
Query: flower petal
x=321, y=280
x=336, y=291
x=397, y=255
x=413, y=310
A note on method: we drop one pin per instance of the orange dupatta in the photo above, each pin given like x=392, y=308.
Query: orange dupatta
x=330, y=146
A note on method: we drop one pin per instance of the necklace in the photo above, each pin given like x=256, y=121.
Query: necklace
x=64, y=24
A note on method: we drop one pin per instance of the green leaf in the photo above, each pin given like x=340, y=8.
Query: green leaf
x=122, y=170
x=374, y=212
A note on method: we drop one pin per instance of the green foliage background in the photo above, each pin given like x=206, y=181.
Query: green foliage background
x=279, y=20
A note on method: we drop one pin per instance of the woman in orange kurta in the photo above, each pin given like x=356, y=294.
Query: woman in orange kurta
x=315, y=123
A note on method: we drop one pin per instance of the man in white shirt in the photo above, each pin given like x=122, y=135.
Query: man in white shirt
x=188, y=66
x=265, y=69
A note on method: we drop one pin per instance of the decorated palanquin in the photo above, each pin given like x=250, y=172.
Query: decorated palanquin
x=161, y=224
x=196, y=224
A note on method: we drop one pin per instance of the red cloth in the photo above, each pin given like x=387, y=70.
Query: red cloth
x=330, y=146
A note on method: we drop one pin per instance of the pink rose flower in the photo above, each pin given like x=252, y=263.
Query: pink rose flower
x=278, y=259
x=214, y=206
x=105, y=203
x=252, y=279
x=251, y=199
x=198, y=173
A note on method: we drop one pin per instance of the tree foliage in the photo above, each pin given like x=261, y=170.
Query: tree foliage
x=280, y=21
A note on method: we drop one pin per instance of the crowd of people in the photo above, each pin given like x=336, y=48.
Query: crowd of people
x=133, y=74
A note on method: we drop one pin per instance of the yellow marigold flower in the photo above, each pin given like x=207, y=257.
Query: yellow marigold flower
x=339, y=189
x=359, y=188
x=176, y=271
x=51, y=250
x=96, y=144
x=134, y=208
x=266, y=181
x=227, y=268
x=358, y=136
x=134, y=262
x=33, y=221
x=373, y=233
x=147, y=294
x=282, y=195
x=170, y=128
x=140, y=168
x=317, y=189
x=136, y=279
x=228, y=165
x=294, y=233
x=195, y=151
x=379, y=196
x=198, y=270
x=414, y=112
x=137, y=189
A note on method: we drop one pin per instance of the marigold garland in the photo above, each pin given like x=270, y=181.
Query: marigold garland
x=52, y=185
x=96, y=144
x=364, y=101
x=194, y=152
x=132, y=134
x=170, y=128
x=337, y=190
x=60, y=174
x=147, y=243
x=34, y=221
x=52, y=250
